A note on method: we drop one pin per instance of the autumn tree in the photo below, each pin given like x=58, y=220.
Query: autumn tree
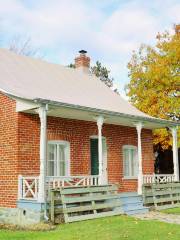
x=154, y=86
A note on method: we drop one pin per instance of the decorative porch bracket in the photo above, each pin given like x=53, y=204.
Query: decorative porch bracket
x=100, y=121
x=140, y=173
x=43, y=145
x=175, y=153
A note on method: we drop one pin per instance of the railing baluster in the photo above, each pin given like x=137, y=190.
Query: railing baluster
x=24, y=187
x=35, y=187
x=20, y=189
x=158, y=178
x=91, y=180
x=84, y=182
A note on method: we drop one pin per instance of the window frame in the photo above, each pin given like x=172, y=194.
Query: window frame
x=129, y=147
x=67, y=156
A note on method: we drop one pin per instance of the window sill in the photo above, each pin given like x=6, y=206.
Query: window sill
x=130, y=178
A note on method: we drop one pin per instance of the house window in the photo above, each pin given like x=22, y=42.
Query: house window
x=130, y=161
x=58, y=158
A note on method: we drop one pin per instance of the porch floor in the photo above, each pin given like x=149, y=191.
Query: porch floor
x=132, y=203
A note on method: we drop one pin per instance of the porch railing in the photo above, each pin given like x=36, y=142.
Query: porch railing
x=28, y=186
x=158, y=178
x=56, y=182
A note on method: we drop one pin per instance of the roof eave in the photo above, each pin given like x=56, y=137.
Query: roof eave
x=165, y=123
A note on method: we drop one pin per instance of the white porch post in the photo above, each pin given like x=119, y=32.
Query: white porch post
x=43, y=145
x=100, y=121
x=175, y=153
x=140, y=173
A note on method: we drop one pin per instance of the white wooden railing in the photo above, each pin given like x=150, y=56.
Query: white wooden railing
x=28, y=186
x=56, y=182
x=158, y=178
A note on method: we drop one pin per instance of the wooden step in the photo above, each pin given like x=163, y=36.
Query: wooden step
x=88, y=207
x=88, y=189
x=90, y=198
x=162, y=195
x=93, y=216
x=81, y=203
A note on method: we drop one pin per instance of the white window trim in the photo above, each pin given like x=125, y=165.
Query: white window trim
x=67, y=144
x=136, y=149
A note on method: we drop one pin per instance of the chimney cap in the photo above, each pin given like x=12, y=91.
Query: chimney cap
x=82, y=51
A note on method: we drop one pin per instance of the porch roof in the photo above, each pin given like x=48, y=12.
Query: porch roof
x=63, y=110
x=39, y=81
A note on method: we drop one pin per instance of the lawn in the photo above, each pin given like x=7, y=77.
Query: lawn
x=172, y=211
x=111, y=228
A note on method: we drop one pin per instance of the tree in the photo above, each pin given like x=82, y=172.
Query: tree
x=154, y=86
x=102, y=73
x=23, y=46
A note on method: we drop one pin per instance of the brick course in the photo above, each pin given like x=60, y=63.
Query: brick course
x=19, y=148
x=8, y=152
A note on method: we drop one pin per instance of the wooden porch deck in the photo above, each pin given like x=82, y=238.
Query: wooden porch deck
x=84, y=202
x=162, y=195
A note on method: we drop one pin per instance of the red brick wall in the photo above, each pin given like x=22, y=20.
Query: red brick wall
x=28, y=144
x=20, y=133
x=8, y=152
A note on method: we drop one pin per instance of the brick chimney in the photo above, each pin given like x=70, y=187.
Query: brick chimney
x=82, y=62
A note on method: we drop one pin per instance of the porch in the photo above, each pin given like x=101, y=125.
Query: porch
x=56, y=124
x=29, y=187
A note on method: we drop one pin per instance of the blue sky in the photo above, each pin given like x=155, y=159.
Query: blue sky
x=108, y=29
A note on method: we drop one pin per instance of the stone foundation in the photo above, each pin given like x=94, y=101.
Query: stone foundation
x=20, y=216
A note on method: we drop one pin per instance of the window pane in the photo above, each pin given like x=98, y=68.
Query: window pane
x=62, y=169
x=62, y=160
x=52, y=157
x=131, y=152
x=126, y=162
x=51, y=152
x=135, y=163
x=51, y=168
x=61, y=152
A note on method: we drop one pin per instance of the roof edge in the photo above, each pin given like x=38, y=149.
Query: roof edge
x=169, y=123
x=106, y=112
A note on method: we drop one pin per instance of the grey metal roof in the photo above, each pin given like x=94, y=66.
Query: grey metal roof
x=30, y=78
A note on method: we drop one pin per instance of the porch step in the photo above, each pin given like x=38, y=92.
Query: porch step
x=132, y=203
x=84, y=202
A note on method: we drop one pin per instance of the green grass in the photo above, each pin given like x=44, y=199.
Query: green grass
x=172, y=211
x=111, y=228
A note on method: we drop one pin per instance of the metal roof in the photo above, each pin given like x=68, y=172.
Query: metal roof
x=30, y=78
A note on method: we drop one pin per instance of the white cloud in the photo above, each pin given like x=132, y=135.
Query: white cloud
x=65, y=21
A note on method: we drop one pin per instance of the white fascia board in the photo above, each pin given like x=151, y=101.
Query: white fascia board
x=25, y=105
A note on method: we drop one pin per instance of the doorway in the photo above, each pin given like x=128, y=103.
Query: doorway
x=95, y=157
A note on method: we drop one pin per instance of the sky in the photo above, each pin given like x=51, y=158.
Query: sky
x=109, y=30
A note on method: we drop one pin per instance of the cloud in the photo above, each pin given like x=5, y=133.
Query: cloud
x=108, y=29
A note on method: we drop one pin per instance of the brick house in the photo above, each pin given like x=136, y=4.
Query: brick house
x=61, y=126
